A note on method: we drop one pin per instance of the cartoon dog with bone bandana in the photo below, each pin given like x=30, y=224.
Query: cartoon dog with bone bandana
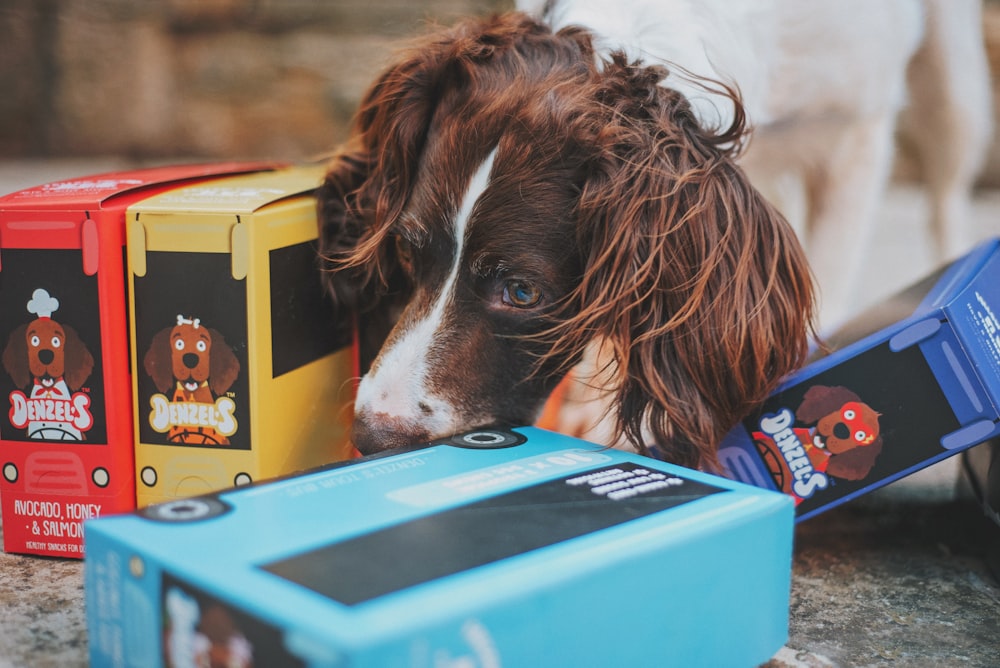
x=196, y=367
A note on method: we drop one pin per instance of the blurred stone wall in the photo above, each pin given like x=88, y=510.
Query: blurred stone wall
x=156, y=79
x=212, y=78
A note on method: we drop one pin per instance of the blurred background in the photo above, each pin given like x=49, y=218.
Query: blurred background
x=160, y=79
x=155, y=80
x=89, y=86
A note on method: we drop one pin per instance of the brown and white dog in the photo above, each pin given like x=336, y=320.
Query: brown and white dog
x=507, y=199
x=519, y=196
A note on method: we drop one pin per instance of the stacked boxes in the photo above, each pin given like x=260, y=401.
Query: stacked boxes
x=242, y=369
x=908, y=383
x=66, y=423
x=492, y=548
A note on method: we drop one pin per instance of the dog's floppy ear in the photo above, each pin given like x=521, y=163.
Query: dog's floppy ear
x=78, y=361
x=158, y=361
x=695, y=282
x=369, y=178
x=822, y=400
x=223, y=367
x=15, y=357
x=856, y=463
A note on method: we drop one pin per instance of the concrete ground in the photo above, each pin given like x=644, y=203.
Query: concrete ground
x=899, y=577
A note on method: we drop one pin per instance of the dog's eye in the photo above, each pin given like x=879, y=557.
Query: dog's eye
x=849, y=414
x=201, y=346
x=860, y=436
x=521, y=294
x=179, y=344
x=35, y=341
x=56, y=342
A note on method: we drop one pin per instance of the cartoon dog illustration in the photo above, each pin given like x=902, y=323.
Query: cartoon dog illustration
x=195, y=364
x=845, y=428
x=832, y=434
x=51, y=359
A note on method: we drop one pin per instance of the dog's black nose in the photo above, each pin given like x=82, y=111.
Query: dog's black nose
x=841, y=430
x=383, y=432
x=45, y=356
x=190, y=360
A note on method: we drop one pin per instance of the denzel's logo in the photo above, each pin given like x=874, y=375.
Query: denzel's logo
x=167, y=415
x=193, y=365
x=49, y=358
x=794, y=446
x=42, y=415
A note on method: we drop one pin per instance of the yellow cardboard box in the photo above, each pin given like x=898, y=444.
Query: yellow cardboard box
x=241, y=368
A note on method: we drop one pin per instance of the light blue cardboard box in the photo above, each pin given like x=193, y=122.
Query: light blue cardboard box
x=494, y=548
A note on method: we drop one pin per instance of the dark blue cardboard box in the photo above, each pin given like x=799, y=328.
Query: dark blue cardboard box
x=909, y=382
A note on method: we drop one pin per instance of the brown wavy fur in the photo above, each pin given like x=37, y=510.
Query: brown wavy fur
x=697, y=284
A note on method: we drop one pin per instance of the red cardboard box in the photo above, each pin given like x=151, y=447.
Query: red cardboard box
x=66, y=444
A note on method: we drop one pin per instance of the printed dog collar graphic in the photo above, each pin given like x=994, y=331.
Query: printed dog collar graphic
x=193, y=368
x=51, y=363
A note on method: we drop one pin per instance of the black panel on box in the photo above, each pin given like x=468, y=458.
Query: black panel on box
x=59, y=272
x=486, y=531
x=194, y=286
x=900, y=387
x=304, y=323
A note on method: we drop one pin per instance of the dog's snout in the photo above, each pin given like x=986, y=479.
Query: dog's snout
x=841, y=430
x=383, y=432
x=190, y=360
x=45, y=356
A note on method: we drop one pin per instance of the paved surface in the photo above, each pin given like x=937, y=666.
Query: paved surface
x=897, y=578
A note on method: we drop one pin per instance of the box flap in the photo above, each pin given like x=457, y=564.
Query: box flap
x=238, y=195
x=974, y=313
x=95, y=191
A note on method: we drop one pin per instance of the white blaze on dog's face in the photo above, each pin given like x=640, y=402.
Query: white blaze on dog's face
x=456, y=358
x=409, y=397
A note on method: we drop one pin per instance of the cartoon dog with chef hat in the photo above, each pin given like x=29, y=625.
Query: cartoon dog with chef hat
x=51, y=363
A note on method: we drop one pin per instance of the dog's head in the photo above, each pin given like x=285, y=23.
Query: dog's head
x=505, y=199
x=46, y=350
x=190, y=353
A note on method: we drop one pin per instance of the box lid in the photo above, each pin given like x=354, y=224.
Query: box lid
x=242, y=194
x=97, y=191
x=974, y=313
x=924, y=299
